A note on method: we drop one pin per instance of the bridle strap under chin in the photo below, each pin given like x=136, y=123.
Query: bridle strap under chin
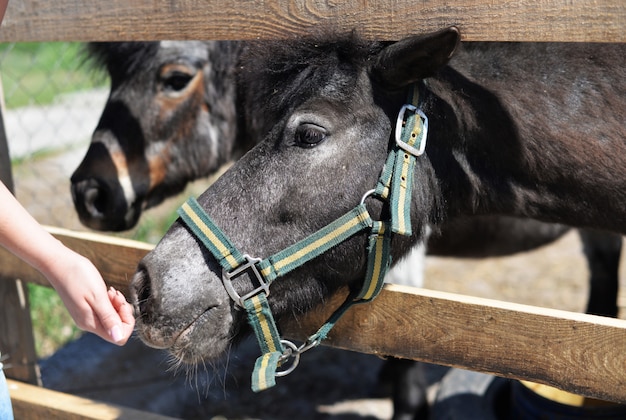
x=394, y=187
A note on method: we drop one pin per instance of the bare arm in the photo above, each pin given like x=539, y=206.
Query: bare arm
x=75, y=278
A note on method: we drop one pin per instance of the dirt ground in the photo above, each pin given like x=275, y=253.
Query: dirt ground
x=329, y=384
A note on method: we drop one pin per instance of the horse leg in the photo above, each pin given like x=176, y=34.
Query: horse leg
x=409, y=385
x=603, y=251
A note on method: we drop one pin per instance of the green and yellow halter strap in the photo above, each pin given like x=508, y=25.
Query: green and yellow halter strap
x=394, y=187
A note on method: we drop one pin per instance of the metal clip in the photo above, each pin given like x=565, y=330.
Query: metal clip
x=415, y=151
x=250, y=264
x=291, y=351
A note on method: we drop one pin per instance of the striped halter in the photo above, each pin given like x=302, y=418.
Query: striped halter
x=394, y=187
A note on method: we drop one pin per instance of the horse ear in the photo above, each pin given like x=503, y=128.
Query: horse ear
x=415, y=58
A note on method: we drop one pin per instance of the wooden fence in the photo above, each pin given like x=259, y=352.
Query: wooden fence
x=579, y=353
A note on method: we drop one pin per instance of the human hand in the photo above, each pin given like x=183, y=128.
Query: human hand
x=93, y=307
x=75, y=278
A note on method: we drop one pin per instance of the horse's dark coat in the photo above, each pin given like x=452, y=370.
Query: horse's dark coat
x=518, y=136
x=288, y=80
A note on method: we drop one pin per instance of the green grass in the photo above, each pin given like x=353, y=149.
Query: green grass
x=36, y=73
x=52, y=324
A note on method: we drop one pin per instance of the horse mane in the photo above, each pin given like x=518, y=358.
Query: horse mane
x=275, y=70
x=120, y=59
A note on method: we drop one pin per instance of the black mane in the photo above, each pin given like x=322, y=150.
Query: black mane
x=274, y=70
x=121, y=59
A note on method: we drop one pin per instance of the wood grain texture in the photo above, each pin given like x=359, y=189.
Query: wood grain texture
x=579, y=353
x=35, y=403
x=115, y=258
x=479, y=20
x=16, y=332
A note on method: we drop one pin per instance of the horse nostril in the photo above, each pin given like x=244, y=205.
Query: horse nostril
x=95, y=200
x=141, y=292
x=102, y=205
x=89, y=198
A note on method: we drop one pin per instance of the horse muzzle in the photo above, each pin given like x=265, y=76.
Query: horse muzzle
x=102, y=206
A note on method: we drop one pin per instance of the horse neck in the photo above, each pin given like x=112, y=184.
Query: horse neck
x=492, y=156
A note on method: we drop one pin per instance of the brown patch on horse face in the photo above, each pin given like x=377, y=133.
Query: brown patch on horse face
x=158, y=168
x=169, y=98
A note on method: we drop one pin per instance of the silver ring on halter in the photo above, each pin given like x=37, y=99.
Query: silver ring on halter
x=290, y=352
x=367, y=194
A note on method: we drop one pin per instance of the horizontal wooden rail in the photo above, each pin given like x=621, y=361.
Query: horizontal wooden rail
x=479, y=20
x=36, y=403
x=583, y=354
x=116, y=258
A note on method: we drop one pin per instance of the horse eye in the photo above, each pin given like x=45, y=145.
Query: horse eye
x=309, y=135
x=176, y=81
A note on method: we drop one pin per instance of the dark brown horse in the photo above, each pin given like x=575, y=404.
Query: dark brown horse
x=525, y=130
x=170, y=118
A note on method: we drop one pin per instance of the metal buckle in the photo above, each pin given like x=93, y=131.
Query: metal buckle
x=250, y=264
x=415, y=151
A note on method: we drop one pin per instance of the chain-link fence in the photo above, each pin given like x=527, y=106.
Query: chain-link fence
x=53, y=101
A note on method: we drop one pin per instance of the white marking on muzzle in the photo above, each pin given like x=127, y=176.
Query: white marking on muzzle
x=119, y=161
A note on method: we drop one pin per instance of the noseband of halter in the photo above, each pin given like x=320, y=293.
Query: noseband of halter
x=394, y=187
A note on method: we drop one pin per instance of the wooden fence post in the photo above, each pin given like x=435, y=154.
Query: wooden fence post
x=16, y=330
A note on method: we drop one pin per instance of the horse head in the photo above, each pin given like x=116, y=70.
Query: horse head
x=334, y=106
x=169, y=119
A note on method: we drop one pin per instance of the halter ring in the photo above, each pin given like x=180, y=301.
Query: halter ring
x=291, y=351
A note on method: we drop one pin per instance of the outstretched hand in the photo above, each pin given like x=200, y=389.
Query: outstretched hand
x=75, y=278
x=93, y=307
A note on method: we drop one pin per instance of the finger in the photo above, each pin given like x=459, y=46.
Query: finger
x=125, y=312
x=109, y=320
